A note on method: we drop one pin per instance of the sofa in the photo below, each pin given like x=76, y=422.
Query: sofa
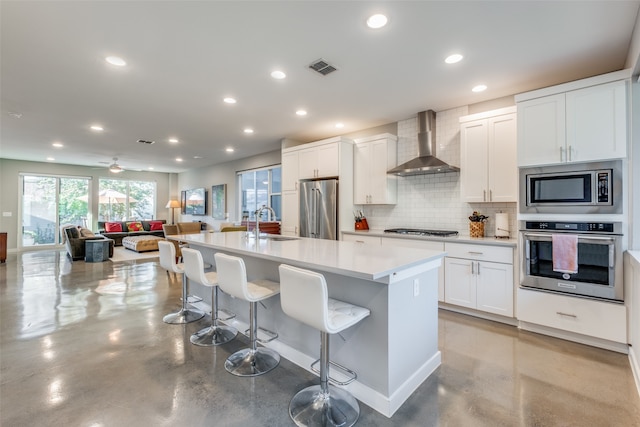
x=74, y=238
x=118, y=230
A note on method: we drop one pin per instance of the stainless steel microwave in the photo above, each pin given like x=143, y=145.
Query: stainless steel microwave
x=573, y=189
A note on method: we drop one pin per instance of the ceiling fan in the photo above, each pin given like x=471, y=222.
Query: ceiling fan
x=115, y=167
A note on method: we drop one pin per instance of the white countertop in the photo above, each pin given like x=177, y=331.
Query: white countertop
x=635, y=255
x=368, y=262
x=511, y=242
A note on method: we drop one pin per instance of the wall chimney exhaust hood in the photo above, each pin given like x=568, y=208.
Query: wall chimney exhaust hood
x=426, y=162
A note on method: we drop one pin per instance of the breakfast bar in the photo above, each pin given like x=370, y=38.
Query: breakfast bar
x=392, y=351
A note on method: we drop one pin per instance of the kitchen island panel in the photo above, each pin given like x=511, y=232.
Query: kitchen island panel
x=393, y=350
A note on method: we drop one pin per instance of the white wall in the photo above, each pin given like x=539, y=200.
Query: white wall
x=9, y=189
x=224, y=173
x=433, y=201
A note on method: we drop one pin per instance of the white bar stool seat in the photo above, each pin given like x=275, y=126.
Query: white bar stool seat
x=194, y=270
x=168, y=262
x=304, y=296
x=232, y=279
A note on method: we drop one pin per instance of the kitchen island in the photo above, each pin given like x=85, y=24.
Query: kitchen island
x=393, y=350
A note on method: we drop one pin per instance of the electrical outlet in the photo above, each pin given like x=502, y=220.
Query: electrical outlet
x=416, y=287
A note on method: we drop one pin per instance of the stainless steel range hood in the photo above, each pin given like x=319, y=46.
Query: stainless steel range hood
x=426, y=162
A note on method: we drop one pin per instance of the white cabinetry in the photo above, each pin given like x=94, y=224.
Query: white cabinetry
x=363, y=238
x=373, y=157
x=580, y=125
x=479, y=277
x=290, y=171
x=587, y=317
x=319, y=161
x=488, y=146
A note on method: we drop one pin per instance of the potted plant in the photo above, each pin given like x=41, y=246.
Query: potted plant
x=476, y=226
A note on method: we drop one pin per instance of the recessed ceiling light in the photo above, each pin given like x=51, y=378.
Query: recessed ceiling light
x=173, y=140
x=58, y=144
x=301, y=112
x=277, y=74
x=197, y=157
x=229, y=100
x=150, y=168
x=229, y=150
x=452, y=59
x=479, y=88
x=97, y=128
x=377, y=21
x=339, y=125
x=50, y=159
x=14, y=114
x=116, y=60
x=248, y=130
x=178, y=159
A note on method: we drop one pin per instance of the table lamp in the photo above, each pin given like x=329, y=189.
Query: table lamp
x=173, y=204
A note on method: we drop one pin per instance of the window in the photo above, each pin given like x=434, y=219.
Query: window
x=123, y=200
x=260, y=187
x=51, y=201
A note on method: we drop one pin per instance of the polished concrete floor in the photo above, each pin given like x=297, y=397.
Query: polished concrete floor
x=85, y=345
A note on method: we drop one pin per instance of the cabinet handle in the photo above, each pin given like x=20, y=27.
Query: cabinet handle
x=562, y=154
x=490, y=195
x=567, y=314
x=478, y=268
x=472, y=272
x=484, y=195
x=570, y=154
x=475, y=253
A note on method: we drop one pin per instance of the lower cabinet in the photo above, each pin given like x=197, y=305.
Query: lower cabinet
x=479, y=277
x=597, y=319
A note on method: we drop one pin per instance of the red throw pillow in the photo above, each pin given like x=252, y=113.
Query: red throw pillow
x=155, y=225
x=112, y=227
x=134, y=226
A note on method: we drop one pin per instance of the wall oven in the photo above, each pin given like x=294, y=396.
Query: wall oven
x=572, y=188
x=591, y=250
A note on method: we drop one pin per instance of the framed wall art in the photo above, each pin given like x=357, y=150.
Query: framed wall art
x=218, y=201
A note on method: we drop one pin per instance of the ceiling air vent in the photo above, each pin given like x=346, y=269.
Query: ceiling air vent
x=144, y=141
x=322, y=67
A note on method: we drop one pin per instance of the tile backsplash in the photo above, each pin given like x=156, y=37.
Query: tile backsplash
x=433, y=201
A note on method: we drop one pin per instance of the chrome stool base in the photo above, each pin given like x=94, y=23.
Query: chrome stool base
x=183, y=316
x=312, y=407
x=213, y=335
x=251, y=363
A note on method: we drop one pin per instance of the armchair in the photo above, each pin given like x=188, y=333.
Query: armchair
x=74, y=241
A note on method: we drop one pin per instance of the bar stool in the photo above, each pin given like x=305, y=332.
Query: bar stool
x=168, y=262
x=232, y=278
x=194, y=270
x=304, y=297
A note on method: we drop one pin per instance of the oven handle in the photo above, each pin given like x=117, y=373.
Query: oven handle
x=582, y=238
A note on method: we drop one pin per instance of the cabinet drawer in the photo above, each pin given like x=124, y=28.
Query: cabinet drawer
x=593, y=318
x=410, y=243
x=480, y=252
x=371, y=240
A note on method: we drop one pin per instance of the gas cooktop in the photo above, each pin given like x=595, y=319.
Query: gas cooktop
x=421, y=232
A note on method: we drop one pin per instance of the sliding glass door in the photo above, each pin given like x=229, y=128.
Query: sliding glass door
x=48, y=202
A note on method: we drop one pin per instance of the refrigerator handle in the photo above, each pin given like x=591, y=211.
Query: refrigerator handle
x=317, y=211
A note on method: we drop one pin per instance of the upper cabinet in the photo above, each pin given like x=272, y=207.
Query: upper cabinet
x=290, y=170
x=373, y=157
x=319, y=161
x=488, y=149
x=581, y=125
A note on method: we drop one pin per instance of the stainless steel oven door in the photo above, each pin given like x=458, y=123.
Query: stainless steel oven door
x=599, y=266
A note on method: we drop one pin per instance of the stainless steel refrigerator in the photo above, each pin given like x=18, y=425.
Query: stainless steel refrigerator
x=319, y=209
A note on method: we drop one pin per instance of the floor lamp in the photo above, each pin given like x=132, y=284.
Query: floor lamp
x=173, y=204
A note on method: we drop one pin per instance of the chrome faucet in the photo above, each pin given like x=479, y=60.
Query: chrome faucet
x=258, y=215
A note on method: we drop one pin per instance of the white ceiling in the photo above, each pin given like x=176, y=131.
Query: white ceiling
x=185, y=56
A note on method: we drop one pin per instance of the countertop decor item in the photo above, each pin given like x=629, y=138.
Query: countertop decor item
x=476, y=226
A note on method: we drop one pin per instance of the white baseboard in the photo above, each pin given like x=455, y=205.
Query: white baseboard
x=634, y=360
